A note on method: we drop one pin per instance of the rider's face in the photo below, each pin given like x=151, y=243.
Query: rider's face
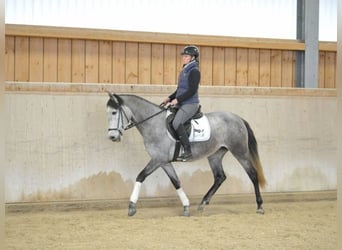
x=186, y=59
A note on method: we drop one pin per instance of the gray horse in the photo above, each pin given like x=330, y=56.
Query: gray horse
x=229, y=132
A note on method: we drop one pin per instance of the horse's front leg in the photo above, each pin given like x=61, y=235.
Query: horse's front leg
x=149, y=169
x=170, y=171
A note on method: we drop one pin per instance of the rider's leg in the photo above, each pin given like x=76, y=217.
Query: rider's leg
x=184, y=139
x=185, y=113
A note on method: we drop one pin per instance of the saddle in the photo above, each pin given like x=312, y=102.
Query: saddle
x=187, y=124
x=197, y=129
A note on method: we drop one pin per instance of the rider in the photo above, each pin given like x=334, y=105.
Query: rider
x=186, y=96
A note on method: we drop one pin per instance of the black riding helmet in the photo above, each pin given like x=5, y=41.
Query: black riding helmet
x=191, y=50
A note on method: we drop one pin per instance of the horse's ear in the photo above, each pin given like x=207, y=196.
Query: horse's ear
x=119, y=99
x=112, y=100
x=116, y=99
x=111, y=95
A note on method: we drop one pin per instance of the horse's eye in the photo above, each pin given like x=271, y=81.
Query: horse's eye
x=114, y=113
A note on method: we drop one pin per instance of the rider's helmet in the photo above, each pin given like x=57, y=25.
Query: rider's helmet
x=191, y=50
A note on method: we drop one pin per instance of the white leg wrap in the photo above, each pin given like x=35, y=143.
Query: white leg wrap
x=183, y=197
x=135, y=193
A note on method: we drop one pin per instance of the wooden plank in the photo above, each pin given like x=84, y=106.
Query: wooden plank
x=92, y=61
x=271, y=69
x=179, y=60
x=154, y=37
x=275, y=68
x=253, y=67
x=287, y=69
x=321, y=71
x=9, y=58
x=206, y=63
x=36, y=59
x=21, y=59
x=145, y=63
x=64, y=60
x=157, y=64
x=50, y=60
x=131, y=63
x=208, y=91
x=170, y=64
x=218, y=66
x=330, y=70
x=328, y=46
x=105, y=62
x=230, y=66
x=265, y=68
x=294, y=64
x=78, y=60
x=242, y=67
x=119, y=62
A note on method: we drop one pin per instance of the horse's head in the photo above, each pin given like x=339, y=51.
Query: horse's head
x=119, y=117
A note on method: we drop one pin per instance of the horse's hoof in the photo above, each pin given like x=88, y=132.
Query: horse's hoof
x=186, y=211
x=202, y=206
x=131, y=209
x=260, y=211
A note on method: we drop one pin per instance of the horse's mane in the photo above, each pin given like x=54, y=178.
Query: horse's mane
x=113, y=104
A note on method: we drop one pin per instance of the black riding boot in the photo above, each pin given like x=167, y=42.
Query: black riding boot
x=183, y=137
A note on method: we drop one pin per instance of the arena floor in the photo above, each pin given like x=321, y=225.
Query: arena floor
x=291, y=221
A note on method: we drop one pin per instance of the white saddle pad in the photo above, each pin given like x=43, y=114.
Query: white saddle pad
x=200, y=130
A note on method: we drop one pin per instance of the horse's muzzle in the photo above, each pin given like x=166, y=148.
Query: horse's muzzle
x=114, y=139
x=114, y=135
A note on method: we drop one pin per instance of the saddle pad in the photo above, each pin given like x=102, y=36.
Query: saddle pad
x=200, y=130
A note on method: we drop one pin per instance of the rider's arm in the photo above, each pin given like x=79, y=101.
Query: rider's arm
x=173, y=95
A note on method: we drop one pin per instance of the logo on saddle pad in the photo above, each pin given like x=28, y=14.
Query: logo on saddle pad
x=198, y=128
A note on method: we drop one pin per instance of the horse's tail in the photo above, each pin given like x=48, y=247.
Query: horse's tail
x=253, y=149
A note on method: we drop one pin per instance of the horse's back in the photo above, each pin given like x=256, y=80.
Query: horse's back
x=224, y=118
x=228, y=129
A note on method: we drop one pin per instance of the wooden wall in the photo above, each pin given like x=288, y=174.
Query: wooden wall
x=51, y=54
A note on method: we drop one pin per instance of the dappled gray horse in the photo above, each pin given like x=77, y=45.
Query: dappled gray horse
x=229, y=132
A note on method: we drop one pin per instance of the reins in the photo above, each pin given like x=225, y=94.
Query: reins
x=134, y=124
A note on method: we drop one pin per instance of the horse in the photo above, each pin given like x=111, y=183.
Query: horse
x=229, y=132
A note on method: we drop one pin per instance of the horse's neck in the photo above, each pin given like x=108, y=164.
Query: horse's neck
x=141, y=110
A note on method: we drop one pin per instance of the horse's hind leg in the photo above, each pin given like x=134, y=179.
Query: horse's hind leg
x=253, y=175
x=170, y=171
x=215, y=162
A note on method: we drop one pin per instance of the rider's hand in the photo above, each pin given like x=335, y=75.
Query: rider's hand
x=166, y=101
x=174, y=102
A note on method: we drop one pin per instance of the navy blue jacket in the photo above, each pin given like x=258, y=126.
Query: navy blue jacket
x=188, y=82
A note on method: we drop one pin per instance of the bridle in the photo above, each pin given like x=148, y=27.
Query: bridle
x=122, y=115
x=130, y=121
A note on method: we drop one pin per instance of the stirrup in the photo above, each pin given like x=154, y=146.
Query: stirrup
x=186, y=157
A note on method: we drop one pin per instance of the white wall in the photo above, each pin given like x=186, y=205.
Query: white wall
x=248, y=18
x=57, y=149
